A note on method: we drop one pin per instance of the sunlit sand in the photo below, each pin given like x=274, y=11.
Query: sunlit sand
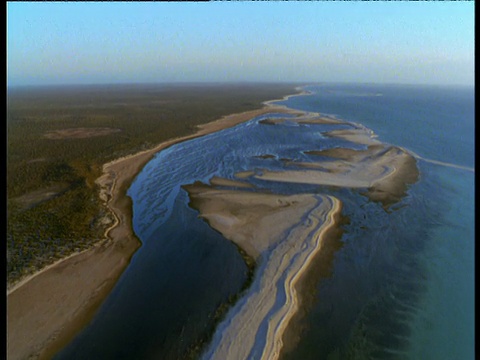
x=283, y=233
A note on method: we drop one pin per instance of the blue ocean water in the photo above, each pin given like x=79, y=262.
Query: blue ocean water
x=433, y=121
x=435, y=320
x=400, y=283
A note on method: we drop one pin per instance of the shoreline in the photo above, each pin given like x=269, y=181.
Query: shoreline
x=318, y=243
x=302, y=92
x=39, y=321
x=320, y=267
x=255, y=326
x=41, y=327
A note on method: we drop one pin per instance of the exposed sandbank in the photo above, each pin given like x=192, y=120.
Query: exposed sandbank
x=284, y=233
x=384, y=171
x=218, y=181
x=358, y=135
x=244, y=174
x=309, y=119
x=254, y=221
x=46, y=309
x=320, y=120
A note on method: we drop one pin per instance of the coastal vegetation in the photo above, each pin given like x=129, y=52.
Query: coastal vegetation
x=58, y=139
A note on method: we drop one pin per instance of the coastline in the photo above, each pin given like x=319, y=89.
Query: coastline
x=41, y=322
x=46, y=310
x=329, y=224
x=255, y=326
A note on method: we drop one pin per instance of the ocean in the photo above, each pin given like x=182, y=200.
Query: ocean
x=425, y=308
x=400, y=283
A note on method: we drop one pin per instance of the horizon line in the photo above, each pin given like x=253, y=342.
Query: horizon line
x=230, y=82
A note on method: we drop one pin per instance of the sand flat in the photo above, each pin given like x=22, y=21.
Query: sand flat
x=244, y=174
x=358, y=135
x=286, y=234
x=254, y=221
x=219, y=181
x=36, y=197
x=320, y=121
x=384, y=170
x=313, y=177
x=39, y=318
x=309, y=119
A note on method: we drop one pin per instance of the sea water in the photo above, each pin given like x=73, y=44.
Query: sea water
x=425, y=309
x=400, y=282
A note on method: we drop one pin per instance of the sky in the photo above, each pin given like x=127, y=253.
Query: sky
x=309, y=42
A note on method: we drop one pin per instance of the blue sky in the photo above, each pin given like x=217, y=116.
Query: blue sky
x=381, y=42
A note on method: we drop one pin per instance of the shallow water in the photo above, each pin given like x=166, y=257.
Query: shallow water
x=424, y=308
x=399, y=284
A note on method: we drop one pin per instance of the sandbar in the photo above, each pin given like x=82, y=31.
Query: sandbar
x=252, y=220
x=385, y=171
x=47, y=309
x=219, y=181
x=320, y=120
x=358, y=135
x=311, y=119
x=283, y=233
x=244, y=174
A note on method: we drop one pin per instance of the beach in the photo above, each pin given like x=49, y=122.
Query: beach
x=47, y=309
x=258, y=223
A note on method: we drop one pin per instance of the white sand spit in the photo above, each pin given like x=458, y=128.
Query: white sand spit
x=254, y=327
x=384, y=170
